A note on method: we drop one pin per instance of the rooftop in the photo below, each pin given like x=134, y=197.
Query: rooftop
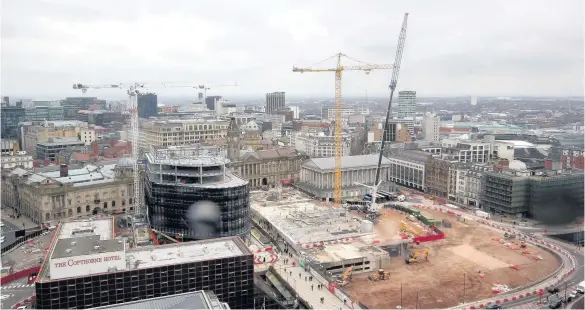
x=185, y=252
x=88, y=175
x=75, y=229
x=306, y=222
x=85, y=245
x=188, y=156
x=189, y=300
x=349, y=162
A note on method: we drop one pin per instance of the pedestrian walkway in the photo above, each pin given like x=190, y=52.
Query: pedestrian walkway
x=21, y=222
x=299, y=279
x=17, y=286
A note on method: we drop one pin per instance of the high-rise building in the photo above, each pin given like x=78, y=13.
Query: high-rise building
x=10, y=117
x=431, y=124
x=274, y=102
x=211, y=100
x=190, y=191
x=147, y=105
x=5, y=100
x=406, y=106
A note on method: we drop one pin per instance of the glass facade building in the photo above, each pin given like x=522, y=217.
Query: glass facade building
x=11, y=116
x=181, y=180
x=231, y=279
x=147, y=105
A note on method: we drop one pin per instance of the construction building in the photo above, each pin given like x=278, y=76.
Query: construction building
x=177, y=178
x=537, y=194
x=87, y=267
x=318, y=175
x=50, y=149
x=177, y=132
x=58, y=193
x=331, y=240
x=9, y=146
x=396, y=132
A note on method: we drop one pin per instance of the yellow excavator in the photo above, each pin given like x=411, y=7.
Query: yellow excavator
x=345, y=277
x=414, y=257
x=380, y=275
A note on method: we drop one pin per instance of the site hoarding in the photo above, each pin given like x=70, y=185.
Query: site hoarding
x=83, y=265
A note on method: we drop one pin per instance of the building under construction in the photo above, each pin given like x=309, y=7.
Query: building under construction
x=180, y=183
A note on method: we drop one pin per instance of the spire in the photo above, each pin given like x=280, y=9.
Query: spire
x=233, y=140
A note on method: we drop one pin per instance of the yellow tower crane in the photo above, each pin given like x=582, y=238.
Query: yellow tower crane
x=367, y=68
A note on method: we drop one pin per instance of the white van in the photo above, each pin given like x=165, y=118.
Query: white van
x=581, y=287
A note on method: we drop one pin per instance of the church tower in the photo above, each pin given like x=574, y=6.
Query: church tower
x=233, y=140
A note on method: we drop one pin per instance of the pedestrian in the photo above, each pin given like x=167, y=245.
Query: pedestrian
x=305, y=278
x=311, y=278
x=322, y=299
x=312, y=287
x=291, y=273
x=299, y=275
x=345, y=301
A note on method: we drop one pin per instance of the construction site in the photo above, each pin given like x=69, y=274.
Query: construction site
x=425, y=258
x=472, y=262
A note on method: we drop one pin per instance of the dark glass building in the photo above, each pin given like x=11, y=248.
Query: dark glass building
x=190, y=191
x=210, y=102
x=71, y=105
x=10, y=117
x=90, y=272
x=147, y=105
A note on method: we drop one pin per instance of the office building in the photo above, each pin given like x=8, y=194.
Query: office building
x=318, y=175
x=5, y=101
x=407, y=168
x=210, y=102
x=9, y=146
x=179, y=177
x=32, y=133
x=147, y=105
x=406, y=106
x=42, y=113
x=396, y=132
x=16, y=159
x=466, y=151
x=71, y=105
x=541, y=194
x=86, y=267
x=197, y=300
x=9, y=119
x=177, y=132
x=274, y=102
x=431, y=125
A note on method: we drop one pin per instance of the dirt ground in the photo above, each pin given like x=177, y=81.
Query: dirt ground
x=452, y=274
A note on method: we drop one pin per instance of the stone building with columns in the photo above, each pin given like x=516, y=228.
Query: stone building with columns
x=318, y=174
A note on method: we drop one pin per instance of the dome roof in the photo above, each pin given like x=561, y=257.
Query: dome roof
x=125, y=162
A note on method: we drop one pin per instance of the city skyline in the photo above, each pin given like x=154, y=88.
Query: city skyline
x=488, y=48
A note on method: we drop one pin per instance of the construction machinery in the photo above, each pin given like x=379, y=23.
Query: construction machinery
x=380, y=275
x=338, y=133
x=414, y=256
x=509, y=236
x=345, y=277
x=393, y=83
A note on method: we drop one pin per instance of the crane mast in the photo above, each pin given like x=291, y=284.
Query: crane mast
x=132, y=90
x=367, y=68
x=393, y=82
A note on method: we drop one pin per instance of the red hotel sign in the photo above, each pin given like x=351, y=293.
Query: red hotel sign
x=88, y=261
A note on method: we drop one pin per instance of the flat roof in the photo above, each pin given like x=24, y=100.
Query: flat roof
x=188, y=156
x=86, y=245
x=349, y=162
x=186, y=252
x=189, y=300
x=101, y=227
x=306, y=222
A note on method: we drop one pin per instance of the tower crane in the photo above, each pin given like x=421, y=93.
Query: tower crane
x=393, y=82
x=133, y=90
x=367, y=68
x=203, y=87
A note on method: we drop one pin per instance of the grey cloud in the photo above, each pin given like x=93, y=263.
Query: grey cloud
x=452, y=45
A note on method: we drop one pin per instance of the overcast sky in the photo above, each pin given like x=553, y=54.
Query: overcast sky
x=489, y=48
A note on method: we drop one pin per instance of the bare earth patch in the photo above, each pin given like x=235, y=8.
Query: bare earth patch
x=483, y=259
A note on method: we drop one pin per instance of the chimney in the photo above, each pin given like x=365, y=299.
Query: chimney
x=64, y=171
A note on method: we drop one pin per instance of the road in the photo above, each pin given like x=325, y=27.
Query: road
x=572, y=281
x=14, y=292
x=8, y=232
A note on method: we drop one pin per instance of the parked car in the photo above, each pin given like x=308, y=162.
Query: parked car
x=572, y=295
x=555, y=302
x=493, y=306
x=552, y=290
